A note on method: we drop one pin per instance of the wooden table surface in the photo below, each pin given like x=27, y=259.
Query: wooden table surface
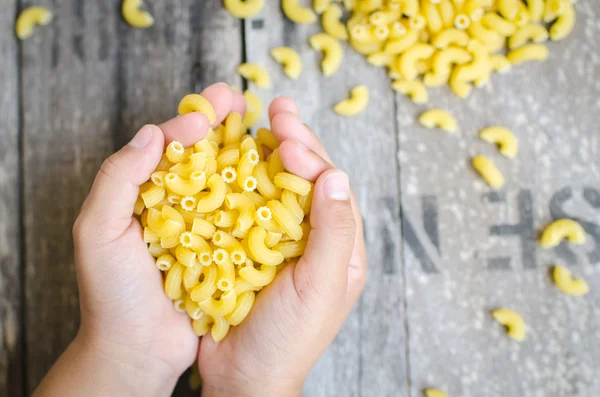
x=444, y=249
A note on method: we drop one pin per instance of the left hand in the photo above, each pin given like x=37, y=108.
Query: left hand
x=128, y=324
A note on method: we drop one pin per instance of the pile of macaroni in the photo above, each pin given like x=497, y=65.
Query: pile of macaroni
x=221, y=218
x=425, y=43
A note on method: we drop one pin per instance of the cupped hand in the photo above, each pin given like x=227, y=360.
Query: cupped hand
x=296, y=317
x=125, y=314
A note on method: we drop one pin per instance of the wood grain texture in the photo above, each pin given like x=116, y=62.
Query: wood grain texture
x=487, y=256
x=192, y=45
x=69, y=110
x=11, y=371
x=369, y=351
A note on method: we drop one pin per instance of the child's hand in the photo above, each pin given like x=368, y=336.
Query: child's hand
x=296, y=317
x=130, y=335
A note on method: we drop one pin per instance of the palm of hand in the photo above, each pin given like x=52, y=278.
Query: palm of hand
x=137, y=313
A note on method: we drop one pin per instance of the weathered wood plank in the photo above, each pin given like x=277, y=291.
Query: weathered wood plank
x=193, y=44
x=69, y=110
x=487, y=255
x=369, y=352
x=11, y=352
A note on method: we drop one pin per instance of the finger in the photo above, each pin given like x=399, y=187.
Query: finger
x=322, y=271
x=239, y=103
x=288, y=126
x=221, y=98
x=283, y=105
x=187, y=129
x=110, y=204
x=305, y=163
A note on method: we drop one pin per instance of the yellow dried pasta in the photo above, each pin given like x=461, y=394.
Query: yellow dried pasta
x=218, y=240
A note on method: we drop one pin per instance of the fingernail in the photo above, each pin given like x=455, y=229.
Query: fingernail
x=337, y=186
x=142, y=138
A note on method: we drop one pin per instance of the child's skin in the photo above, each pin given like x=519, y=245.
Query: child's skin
x=132, y=342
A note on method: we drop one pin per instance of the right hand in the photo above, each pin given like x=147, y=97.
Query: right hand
x=296, y=317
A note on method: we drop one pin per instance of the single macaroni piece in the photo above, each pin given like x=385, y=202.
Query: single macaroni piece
x=529, y=52
x=197, y=103
x=30, y=17
x=536, y=10
x=255, y=73
x=243, y=305
x=564, y=24
x=567, y=284
x=450, y=36
x=500, y=64
x=414, y=89
x=407, y=62
x=289, y=58
x=297, y=14
x=480, y=65
x=259, y=278
x=244, y=8
x=285, y=218
x=488, y=171
x=293, y=183
x=552, y=10
x=432, y=15
x=442, y=65
x=358, y=101
x=259, y=251
x=438, y=118
x=562, y=229
x=401, y=44
x=462, y=21
x=495, y=22
x=254, y=107
x=507, y=142
x=434, y=393
x=514, y=323
x=135, y=16
x=534, y=32
x=509, y=8
x=321, y=5
x=331, y=22
x=332, y=52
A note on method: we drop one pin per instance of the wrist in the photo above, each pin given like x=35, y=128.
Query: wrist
x=231, y=386
x=129, y=372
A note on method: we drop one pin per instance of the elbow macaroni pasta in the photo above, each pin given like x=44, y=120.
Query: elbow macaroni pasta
x=514, y=323
x=562, y=229
x=358, y=101
x=289, y=58
x=507, y=142
x=297, y=14
x=488, y=171
x=254, y=108
x=135, y=16
x=244, y=8
x=414, y=89
x=331, y=23
x=438, y=118
x=567, y=284
x=255, y=73
x=332, y=52
x=221, y=219
x=434, y=393
x=30, y=17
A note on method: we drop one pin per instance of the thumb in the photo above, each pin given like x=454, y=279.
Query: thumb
x=109, y=207
x=322, y=272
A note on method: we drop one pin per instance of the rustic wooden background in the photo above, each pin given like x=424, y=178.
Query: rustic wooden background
x=443, y=248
